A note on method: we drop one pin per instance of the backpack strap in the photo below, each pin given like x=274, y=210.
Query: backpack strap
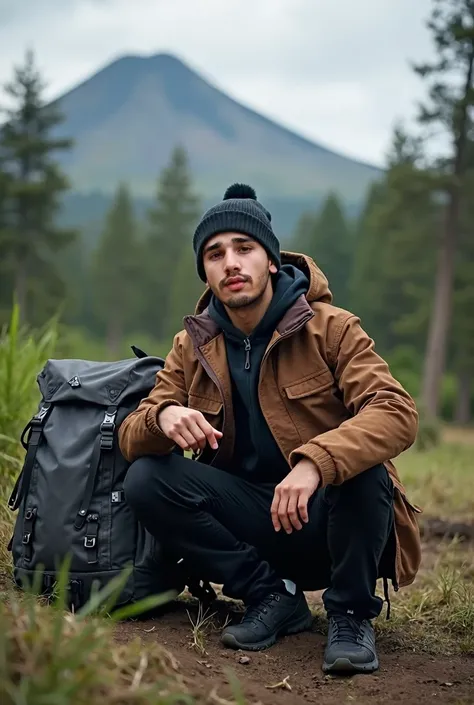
x=35, y=433
x=102, y=456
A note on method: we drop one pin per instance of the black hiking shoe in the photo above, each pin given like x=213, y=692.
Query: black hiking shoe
x=350, y=647
x=276, y=615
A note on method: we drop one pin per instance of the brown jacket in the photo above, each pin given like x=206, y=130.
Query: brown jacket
x=324, y=392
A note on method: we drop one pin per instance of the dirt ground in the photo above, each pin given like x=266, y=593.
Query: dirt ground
x=404, y=677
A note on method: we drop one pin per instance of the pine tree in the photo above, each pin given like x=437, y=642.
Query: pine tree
x=393, y=274
x=185, y=292
x=33, y=183
x=5, y=287
x=303, y=235
x=462, y=338
x=330, y=245
x=171, y=222
x=451, y=97
x=367, y=285
x=116, y=271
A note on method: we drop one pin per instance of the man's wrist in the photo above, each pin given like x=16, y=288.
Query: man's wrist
x=161, y=407
x=320, y=458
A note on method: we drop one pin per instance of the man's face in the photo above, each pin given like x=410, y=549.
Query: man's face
x=237, y=269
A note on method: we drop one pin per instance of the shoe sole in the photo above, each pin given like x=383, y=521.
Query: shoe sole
x=296, y=627
x=344, y=665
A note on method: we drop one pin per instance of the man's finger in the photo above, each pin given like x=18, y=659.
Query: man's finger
x=189, y=438
x=198, y=435
x=212, y=434
x=303, y=507
x=283, y=513
x=274, y=510
x=180, y=441
x=292, y=510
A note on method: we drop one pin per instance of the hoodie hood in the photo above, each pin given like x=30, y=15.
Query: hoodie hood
x=317, y=288
x=289, y=284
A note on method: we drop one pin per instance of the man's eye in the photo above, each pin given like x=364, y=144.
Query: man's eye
x=245, y=248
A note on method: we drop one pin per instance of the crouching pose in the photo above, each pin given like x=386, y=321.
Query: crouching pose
x=294, y=420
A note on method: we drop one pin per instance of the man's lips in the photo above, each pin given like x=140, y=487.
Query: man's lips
x=235, y=283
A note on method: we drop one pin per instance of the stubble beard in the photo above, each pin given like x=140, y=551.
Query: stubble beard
x=246, y=300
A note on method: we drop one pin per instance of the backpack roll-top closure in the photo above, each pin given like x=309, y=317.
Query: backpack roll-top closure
x=101, y=383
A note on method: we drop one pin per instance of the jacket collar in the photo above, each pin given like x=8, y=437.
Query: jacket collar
x=202, y=328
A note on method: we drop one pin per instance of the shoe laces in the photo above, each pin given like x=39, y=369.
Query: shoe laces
x=348, y=629
x=256, y=611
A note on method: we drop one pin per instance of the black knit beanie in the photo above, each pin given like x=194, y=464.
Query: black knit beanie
x=238, y=212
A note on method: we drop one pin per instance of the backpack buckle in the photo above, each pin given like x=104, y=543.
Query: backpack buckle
x=26, y=538
x=89, y=542
x=108, y=424
x=40, y=416
x=107, y=430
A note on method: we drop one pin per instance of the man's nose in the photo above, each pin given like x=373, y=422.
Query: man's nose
x=231, y=261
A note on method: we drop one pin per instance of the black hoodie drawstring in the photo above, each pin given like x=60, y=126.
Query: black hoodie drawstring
x=248, y=347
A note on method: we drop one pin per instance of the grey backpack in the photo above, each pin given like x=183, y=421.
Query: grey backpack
x=69, y=494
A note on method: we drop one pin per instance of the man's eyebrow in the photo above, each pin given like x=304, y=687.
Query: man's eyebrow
x=241, y=239
x=236, y=240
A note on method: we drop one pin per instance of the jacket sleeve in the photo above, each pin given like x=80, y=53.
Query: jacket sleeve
x=139, y=434
x=384, y=420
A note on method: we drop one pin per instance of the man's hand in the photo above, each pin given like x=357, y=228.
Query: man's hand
x=188, y=428
x=290, y=501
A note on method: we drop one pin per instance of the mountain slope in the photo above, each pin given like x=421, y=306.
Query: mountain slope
x=126, y=119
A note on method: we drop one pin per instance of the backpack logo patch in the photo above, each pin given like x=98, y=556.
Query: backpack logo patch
x=75, y=382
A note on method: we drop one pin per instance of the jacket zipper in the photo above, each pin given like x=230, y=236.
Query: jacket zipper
x=288, y=334
x=216, y=380
x=248, y=348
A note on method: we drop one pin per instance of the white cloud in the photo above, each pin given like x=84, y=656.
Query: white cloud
x=335, y=71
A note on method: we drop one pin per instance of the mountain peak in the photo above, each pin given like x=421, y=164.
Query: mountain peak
x=127, y=118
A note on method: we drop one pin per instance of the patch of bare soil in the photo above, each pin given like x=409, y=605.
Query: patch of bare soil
x=290, y=672
x=433, y=528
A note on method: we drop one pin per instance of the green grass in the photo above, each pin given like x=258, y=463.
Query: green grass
x=22, y=355
x=436, y=613
x=441, y=480
x=48, y=656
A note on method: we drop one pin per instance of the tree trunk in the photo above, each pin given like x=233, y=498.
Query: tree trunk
x=463, y=402
x=435, y=357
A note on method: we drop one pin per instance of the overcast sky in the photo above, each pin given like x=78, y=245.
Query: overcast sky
x=336, y=71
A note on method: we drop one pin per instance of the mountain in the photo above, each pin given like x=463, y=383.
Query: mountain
x=126, y=119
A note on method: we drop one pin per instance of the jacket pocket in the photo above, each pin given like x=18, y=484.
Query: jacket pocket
x=306, y=387
x=213, y=407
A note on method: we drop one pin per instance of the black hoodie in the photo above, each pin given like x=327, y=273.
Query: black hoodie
x=255, y=452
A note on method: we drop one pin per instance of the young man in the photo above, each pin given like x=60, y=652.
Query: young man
x=294, y=420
